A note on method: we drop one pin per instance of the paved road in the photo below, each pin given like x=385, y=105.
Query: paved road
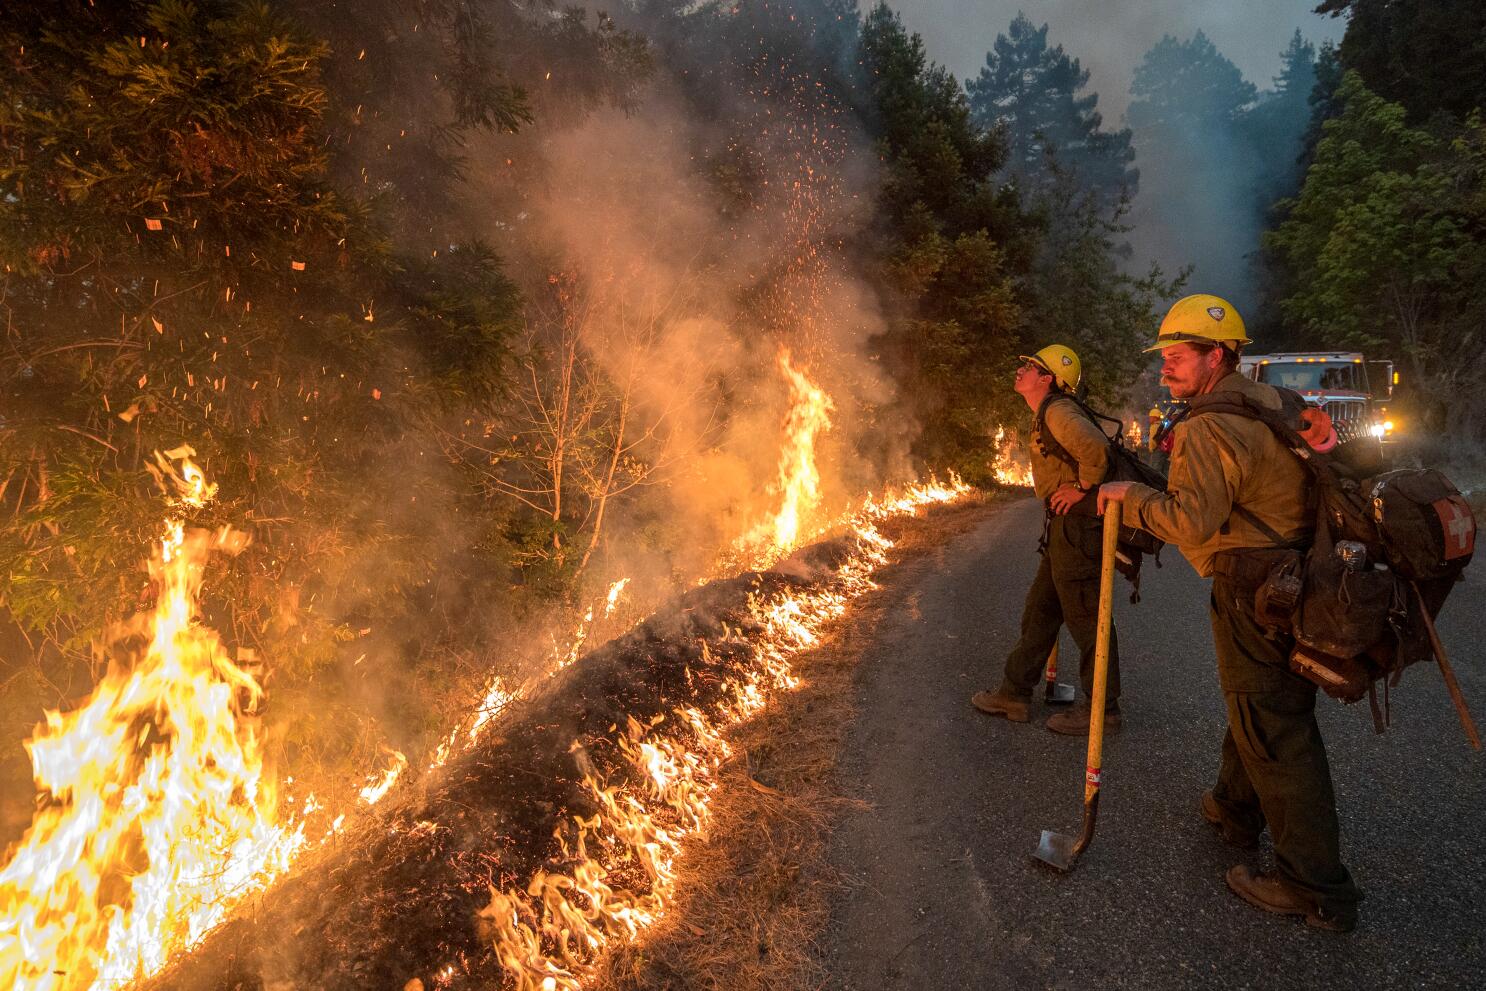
x=942, y=889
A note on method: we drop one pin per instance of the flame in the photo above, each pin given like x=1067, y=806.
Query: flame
x=372, y=793
x=798, y=482
x=549, y=937
x=1009, y=469
x=158, y=816
x=498, y=696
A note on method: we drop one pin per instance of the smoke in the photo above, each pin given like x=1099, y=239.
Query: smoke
x=1196, y=205
x=1109, y=41
x=678, y=260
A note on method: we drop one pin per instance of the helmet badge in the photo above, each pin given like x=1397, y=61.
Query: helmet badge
x=1216, y=312
x=1066, y=360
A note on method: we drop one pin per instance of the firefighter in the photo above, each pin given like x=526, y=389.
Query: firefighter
x=1235, y=494
x=1070, y=455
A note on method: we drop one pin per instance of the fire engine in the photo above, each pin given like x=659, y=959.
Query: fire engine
x=1353, y=391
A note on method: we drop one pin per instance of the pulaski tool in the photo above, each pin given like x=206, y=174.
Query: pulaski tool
x=1056, y=849
x=1052, y=692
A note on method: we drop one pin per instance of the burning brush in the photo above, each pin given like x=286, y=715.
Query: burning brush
x=550, y=825
x=1010, y=465
x=157, y=815
x=559, y=830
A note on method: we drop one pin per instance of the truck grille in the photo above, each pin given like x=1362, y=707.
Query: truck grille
x=1349, y=416
x=1344, y=410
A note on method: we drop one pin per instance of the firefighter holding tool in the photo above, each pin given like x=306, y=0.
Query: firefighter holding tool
x=1236, y=499
x=1070, y=457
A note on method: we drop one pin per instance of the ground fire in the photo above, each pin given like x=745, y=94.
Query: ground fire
x=1010, y=465
x=550, y=822
x=158, y=817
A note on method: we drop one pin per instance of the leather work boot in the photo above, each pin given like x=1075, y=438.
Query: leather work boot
x=998, y=703
x=1075, y=720
x=1274, y=894
x=1234, y=837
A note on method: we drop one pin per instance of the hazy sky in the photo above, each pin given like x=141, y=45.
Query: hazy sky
x=1110, y=36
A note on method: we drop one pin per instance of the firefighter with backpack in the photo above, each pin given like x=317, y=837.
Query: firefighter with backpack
x=1237, y=502
x=1070, y=457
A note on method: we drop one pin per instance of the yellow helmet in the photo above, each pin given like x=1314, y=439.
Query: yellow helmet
x=1060, y=362
x=1201, y=318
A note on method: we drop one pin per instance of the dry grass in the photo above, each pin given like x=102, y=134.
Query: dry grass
x=756, y=889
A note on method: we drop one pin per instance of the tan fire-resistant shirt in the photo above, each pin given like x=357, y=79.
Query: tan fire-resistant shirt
x=1080, y=438
x=1219, y=460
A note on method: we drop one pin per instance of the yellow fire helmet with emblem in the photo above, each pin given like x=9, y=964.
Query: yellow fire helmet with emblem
x=1060, y=362
x=1202, y=318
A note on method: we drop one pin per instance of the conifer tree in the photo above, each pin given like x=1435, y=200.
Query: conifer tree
x=1033, y=93
x=1187, y=109
x=954, y=245
x=1187, y=87
x=1427, y=55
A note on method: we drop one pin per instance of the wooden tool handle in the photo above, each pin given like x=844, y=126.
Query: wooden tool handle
x=1456, y=695
x=1101, y=649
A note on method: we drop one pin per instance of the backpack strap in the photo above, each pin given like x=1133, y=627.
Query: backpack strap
x=1279, y=421
x=1264, y=528
x=1046, y=442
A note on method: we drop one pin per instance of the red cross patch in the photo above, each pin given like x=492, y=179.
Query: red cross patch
x=1458, y=524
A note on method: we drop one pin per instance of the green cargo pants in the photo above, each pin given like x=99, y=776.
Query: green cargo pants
x=1273, y=768
x=1065, y=591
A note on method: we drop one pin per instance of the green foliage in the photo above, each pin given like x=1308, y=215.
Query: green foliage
x=1381, y=248
x=1427, y=55
x=1376, y=243
x=953, y=245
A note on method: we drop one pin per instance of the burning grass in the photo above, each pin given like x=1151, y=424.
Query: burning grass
x=547, y=832
x=757, y=888
x=554, y=837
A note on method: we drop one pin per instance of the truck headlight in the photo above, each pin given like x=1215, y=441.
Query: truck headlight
x=1376, y=429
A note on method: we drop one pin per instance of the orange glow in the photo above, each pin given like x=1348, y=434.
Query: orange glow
x=1009, y=466
x=549, y=937
x=158, y=817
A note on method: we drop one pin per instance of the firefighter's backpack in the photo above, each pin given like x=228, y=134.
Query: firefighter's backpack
x=1124, y=466
x=1355, y=627
x=1425, y=526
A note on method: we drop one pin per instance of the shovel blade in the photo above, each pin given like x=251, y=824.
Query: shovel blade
x=1057, y=850
x=1056, y=694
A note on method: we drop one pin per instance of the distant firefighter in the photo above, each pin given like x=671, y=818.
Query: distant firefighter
x=1070, y=456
